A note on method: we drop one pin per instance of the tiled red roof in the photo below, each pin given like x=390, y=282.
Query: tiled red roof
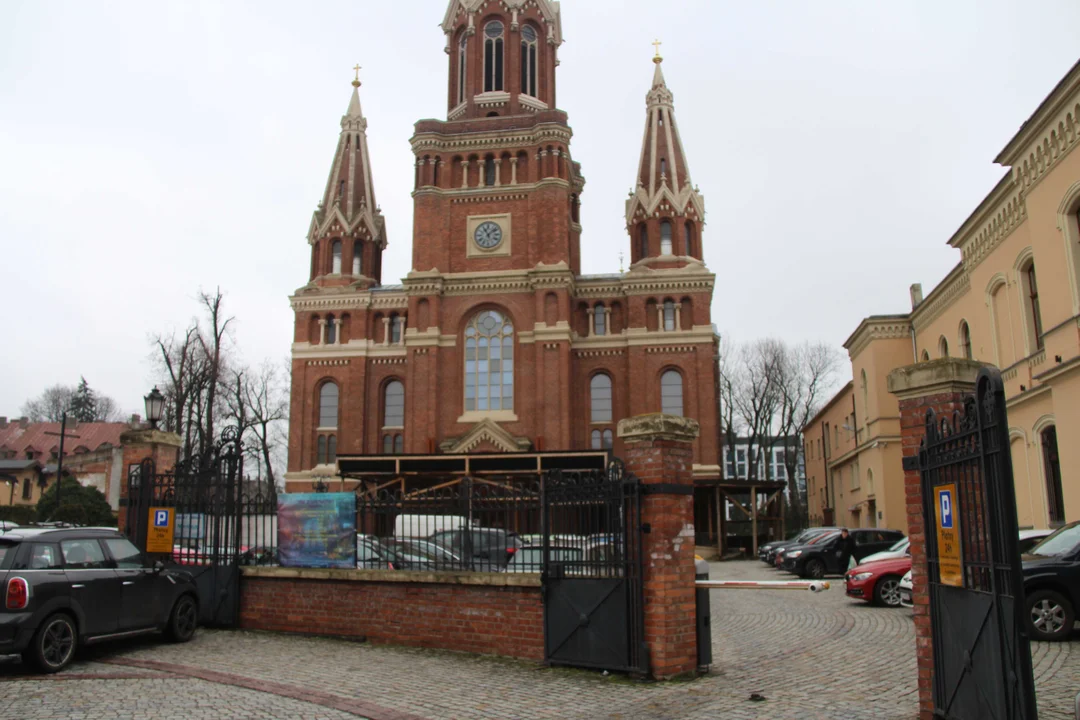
x=92, y=436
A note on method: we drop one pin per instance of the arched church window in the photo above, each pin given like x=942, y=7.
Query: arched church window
x=599, y=320
x=528, y=60
x=489, y=171
x=462, y=46
x=965, y=339
x=357, y=257
x=671, y=393
x=331, y=330
x=328, y=405
x=600, y=398
x=394, y=404
x=489, y=362
x=643, y=242
x=663, y=166
x=335, y=254
x=688, y=232
x=665, y=238
x=493, y=56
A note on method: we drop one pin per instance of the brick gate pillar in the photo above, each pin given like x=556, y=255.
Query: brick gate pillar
x=659, y=452
x=940, y=385
x=160, y=446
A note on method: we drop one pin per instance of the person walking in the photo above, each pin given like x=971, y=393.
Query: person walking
x=845, y=551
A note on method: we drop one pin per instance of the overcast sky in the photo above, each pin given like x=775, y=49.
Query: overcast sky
x=150, y=149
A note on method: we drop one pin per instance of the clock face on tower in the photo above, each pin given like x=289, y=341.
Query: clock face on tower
x=488, y=235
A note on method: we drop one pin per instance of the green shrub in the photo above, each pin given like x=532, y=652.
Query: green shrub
x=80, y=505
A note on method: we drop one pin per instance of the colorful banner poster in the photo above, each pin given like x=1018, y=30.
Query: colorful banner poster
x=317, y=530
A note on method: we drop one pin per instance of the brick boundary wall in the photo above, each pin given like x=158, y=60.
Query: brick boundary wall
x=940, y=385
x=491, y=614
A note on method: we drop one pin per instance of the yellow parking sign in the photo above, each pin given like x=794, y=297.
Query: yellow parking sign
x=159, y=531
x=950, y=563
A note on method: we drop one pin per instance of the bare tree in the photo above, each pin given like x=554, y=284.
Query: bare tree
x=86, y=406
x=265, y=398
x=756, y=397
x=808, y=374
x=212, y=347
x=726, y=380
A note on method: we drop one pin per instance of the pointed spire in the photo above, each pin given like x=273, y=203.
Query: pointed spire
x=348, y=208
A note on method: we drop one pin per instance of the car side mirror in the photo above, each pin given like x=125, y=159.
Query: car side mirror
x=158, y=566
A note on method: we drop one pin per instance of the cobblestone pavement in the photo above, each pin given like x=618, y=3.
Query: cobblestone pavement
x=810, y=656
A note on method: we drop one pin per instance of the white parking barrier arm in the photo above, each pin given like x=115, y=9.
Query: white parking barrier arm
x=811, y=585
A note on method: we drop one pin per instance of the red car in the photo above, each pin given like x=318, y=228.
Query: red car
x=877, y=582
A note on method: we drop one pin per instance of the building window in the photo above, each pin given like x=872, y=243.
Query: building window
x=671, y=393
x=600, y=398
x=489, y=362
x=1031, y=292
x=925, y=356
x=669, y=315
x=965, y=339
x=331, y=449
x=665, y=238
x=1055, y=501
x=394, y=404
x=740, y=463
x=320, y=458
x=663, y=166
x=489, y=171
x=331, y=330
x=395, y=329
x=357, y=258
x=643, y=242
x=493, y=56
x=328, y=405
x=943, y=347
x=601, y=439
x=528, y=60
x=462, y=46
x=599, y=320
x=865, y=393
x=335, y=254
x=393, y=444
x=27, y=489
x=688, y=233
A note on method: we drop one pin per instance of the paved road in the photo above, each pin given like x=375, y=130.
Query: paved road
x=811, y=656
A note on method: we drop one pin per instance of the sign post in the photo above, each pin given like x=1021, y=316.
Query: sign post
x=159, y=535
x=950, y=563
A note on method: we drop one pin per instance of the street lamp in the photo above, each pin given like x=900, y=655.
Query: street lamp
x=155, y=405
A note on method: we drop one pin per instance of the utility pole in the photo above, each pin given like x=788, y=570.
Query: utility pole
x=60, y=460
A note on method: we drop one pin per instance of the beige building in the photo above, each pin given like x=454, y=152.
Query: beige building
x=1012, y=301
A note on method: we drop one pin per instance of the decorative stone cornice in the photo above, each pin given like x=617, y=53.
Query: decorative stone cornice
x=599, y=353
x=1000, y=212
x=934, y=377
x=878, y=327
x=427, y=143
x=658, y=426
x=955, y=285
x=328, y=363
x=487, y=430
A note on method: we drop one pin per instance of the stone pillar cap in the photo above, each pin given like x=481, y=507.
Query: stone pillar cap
x=658, y=426
x=147, y=436
x=933, y=377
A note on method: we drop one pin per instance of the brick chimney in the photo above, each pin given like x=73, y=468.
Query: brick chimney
x=3, y=423
x=916, y=295
x=24, y=421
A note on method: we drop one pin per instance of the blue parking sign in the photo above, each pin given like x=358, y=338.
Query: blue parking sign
x=161, y=518
x=945, y=500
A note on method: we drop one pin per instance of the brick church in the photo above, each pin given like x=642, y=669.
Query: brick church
x=495, y=341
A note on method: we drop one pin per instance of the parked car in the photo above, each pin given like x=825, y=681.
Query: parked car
x=481, y=548
x=900, y=549
x=767, y=552
x=424, y=526
x=371, y=554
x=1031, y=538
x=1051, y=573
x=430, y=555
x=905, y=590
x=69, y=587
x=879, y=581
x=530, y=559
x=819, y=538
x=820, y=559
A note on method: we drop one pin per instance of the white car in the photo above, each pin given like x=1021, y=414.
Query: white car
x=898, y=550
x=905, y=590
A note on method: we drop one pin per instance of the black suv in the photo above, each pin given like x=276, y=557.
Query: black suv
x=1051, y=573
x=70, y=586
x=820, y=559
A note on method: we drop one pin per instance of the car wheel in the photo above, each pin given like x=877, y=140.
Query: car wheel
x=887, y=591
x=815, y=569
x=1050, y=615
x=183, y=620
x=54, y=644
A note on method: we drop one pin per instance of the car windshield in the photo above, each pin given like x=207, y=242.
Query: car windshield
x=822, y=537
x=899, y=545
x=1061, y=542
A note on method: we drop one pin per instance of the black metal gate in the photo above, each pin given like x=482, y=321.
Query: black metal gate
x=217, y=525
x=982, y=656
x=592, y=570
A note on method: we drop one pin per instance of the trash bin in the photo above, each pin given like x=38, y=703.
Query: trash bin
x=704, y=613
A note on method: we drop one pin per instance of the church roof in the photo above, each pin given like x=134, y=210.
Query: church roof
x=34, y=437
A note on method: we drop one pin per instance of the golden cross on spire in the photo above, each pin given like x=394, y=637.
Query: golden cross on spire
x=656, y=44
x=356, y=80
